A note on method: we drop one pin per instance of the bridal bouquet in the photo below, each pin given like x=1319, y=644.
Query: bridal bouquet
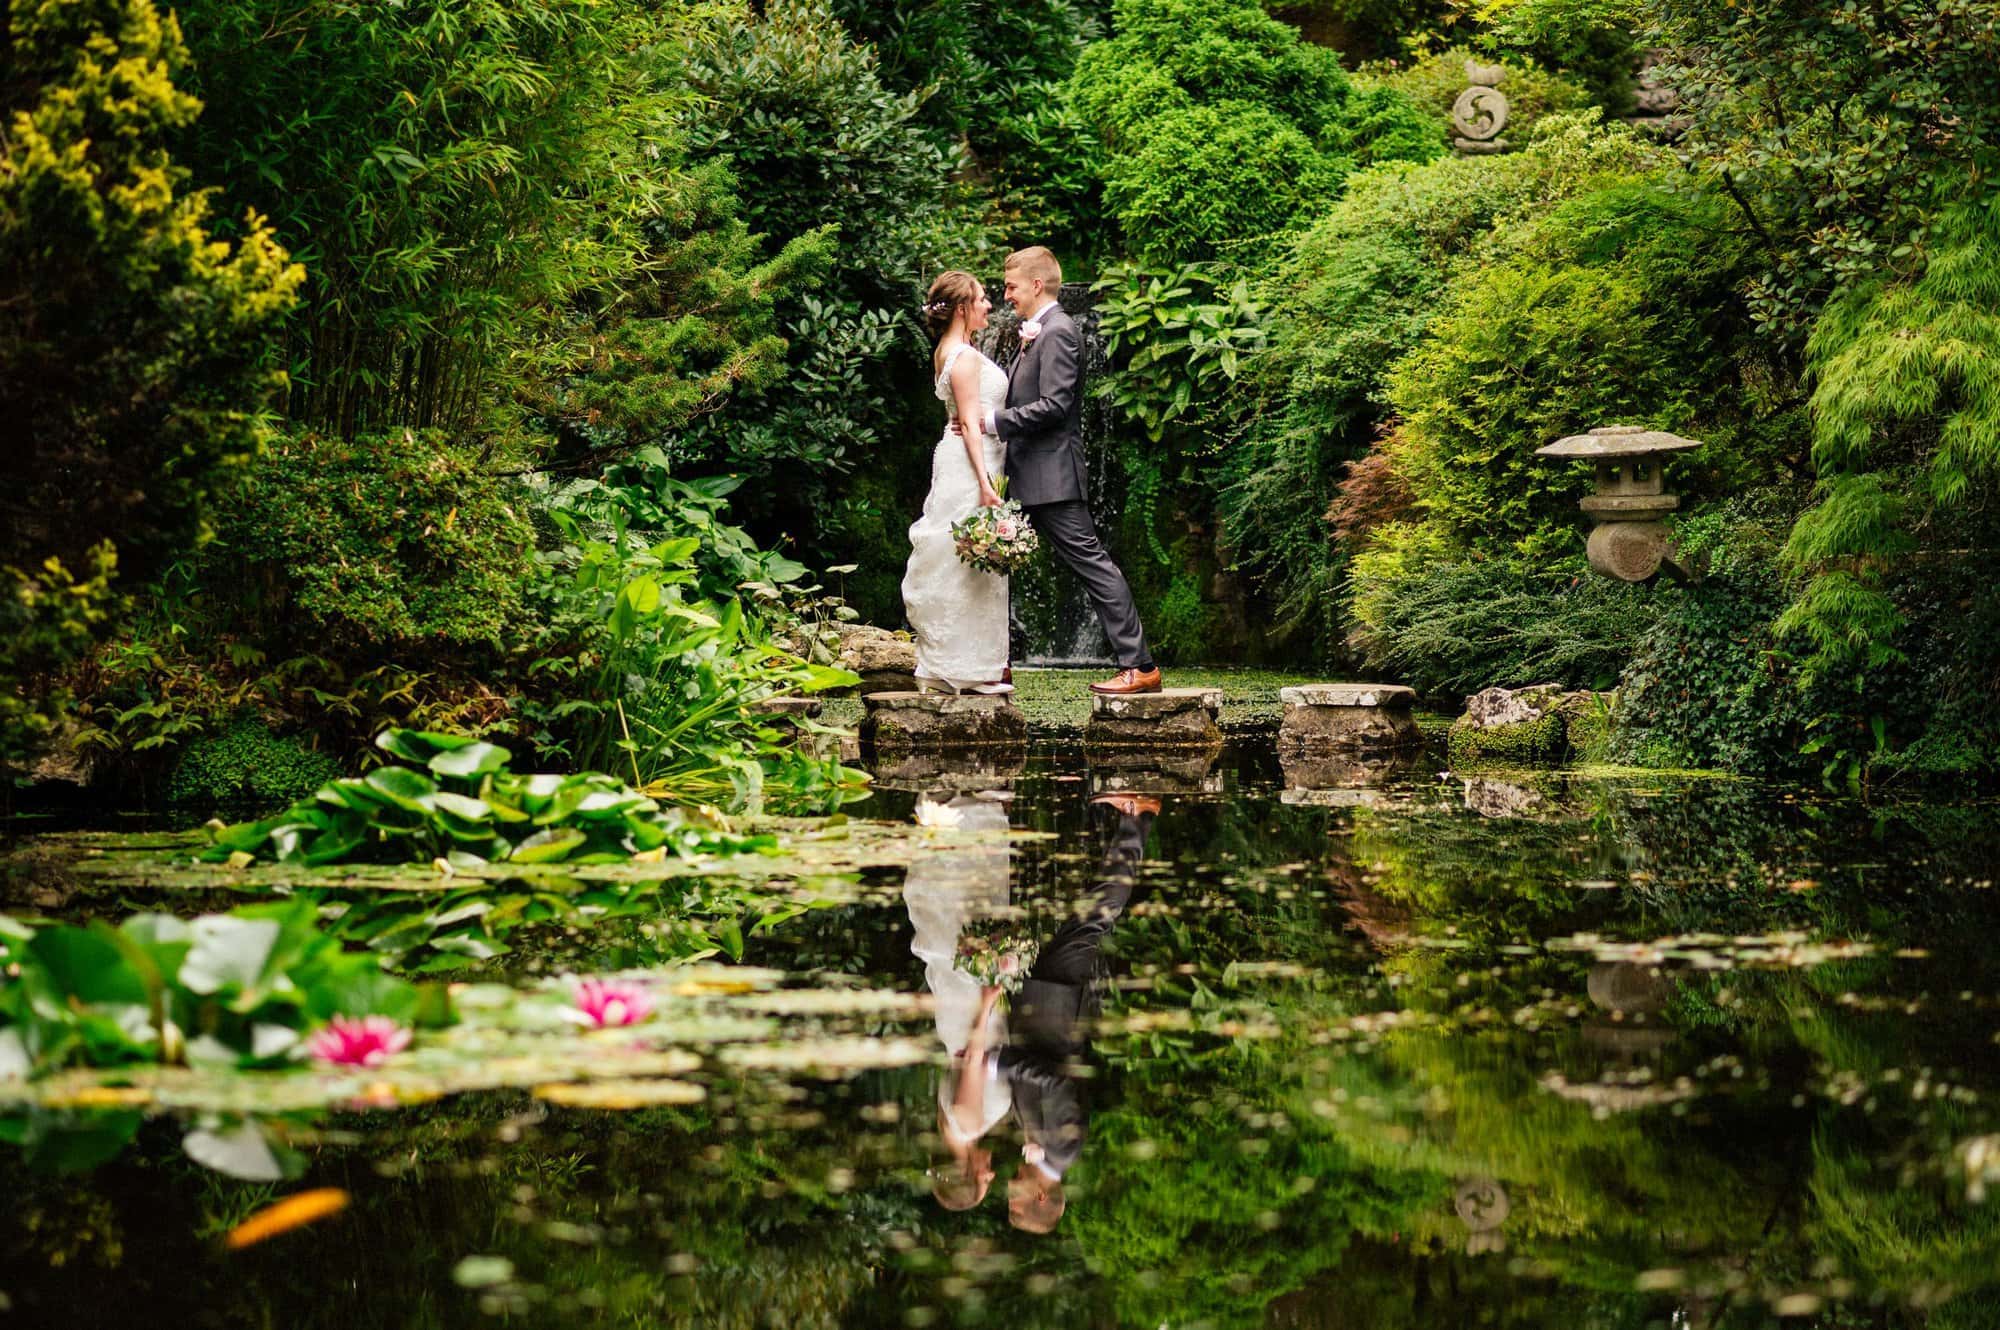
x=996, y=540
x=999, y=958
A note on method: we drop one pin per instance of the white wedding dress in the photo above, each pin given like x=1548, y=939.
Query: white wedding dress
x=959, y=614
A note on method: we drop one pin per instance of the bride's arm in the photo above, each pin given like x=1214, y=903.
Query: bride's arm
x=965, y=393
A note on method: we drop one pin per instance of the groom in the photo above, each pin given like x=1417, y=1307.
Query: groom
x=1042, y=426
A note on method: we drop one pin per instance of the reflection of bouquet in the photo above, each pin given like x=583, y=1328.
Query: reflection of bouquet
x=996, y=540
x=1000, y=958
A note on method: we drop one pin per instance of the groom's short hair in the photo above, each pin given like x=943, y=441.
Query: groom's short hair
x=1036, y=261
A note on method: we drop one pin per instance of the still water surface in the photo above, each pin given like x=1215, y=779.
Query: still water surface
x=1564, y=1051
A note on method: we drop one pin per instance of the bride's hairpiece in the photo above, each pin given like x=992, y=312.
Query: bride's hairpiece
x=940, y=306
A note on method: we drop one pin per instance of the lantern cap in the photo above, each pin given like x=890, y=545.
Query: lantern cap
x=1617, y=441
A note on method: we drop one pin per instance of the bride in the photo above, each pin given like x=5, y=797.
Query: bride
x=959, y=613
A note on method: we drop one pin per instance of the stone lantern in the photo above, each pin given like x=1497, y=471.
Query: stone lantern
x=1629, y=540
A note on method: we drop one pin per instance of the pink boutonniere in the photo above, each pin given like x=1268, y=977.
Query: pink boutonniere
x=1030, y=330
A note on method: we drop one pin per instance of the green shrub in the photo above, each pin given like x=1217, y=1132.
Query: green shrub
x=1350, y=296
x=136, y=338
x=1708, y=685
x=1906, y=430
x=1210, y=180
x=455, y=170
x=1222, y=128
x=400, y=543
x=1617, y=307
x=247, y=764
x=1441, y=620
x=978, y=64
x=814, y=139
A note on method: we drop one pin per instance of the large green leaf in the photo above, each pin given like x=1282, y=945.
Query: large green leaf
x=547, y=847
x=81, y=965
x=229, y=952
x=471, y=761
x=419, y=745
x=406, y=789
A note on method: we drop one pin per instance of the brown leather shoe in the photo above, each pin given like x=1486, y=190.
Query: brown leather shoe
x=1131, y=805
x=1129, y=681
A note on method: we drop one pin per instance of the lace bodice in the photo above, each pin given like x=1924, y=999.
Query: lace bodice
x=992, y=381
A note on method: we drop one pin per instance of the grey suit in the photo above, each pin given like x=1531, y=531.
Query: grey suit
x=1051, y=1018
x=1042, y=426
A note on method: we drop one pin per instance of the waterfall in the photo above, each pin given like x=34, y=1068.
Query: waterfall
x=1054, y=624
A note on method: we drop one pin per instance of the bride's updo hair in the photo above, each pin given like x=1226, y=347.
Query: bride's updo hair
x=950, y=293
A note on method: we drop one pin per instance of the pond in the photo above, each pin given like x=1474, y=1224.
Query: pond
x=1331, y=1048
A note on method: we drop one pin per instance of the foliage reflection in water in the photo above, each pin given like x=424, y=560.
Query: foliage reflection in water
x=1558, y=1050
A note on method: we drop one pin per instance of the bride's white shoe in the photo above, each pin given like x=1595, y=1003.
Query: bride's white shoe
x=991, y=689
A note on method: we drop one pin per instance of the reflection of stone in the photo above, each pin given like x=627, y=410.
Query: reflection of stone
x=963, y=771
x=1499, y=798
x=942, y=720
x=1348, y=718
x=1343, y=771
x=1480, y=112
x=1606, y=1098
x=1629, y=988
x=1482, y=1206
x=1626, y=1041
x=1170, y=718
x=1136, y=771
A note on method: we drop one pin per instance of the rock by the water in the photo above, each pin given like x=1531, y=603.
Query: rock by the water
x=1170, y=718
x=1348, y=718
x=1529, y=726
x=886, y=661
x=899, y=720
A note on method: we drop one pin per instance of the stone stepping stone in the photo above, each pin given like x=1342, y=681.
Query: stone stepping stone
x=1348, y=717
x=942, y=720
x=1170, y=718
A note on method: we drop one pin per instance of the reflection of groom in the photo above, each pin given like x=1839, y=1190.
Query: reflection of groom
x=1042, y=426
x=1050, y=1026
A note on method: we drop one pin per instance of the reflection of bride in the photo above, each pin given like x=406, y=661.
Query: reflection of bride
x=945, y=891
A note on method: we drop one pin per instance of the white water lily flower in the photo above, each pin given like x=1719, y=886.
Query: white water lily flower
x=939, y=815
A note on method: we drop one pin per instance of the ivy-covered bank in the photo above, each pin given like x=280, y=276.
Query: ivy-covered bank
x=553, y=374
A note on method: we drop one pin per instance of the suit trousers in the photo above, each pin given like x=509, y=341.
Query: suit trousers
x=1069, y=530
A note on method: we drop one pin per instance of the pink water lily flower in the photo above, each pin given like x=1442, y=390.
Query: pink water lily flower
x=611, y=1002
x=366, y=1041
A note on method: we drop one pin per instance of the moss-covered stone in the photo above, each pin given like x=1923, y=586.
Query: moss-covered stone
x=1521, y=743
x=1531, y=727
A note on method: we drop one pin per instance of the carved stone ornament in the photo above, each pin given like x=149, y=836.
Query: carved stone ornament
x=1629, y=541
x=1480, y=112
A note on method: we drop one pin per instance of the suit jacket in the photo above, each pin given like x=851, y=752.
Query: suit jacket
x=1042, y=423
x=1049, y=1101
